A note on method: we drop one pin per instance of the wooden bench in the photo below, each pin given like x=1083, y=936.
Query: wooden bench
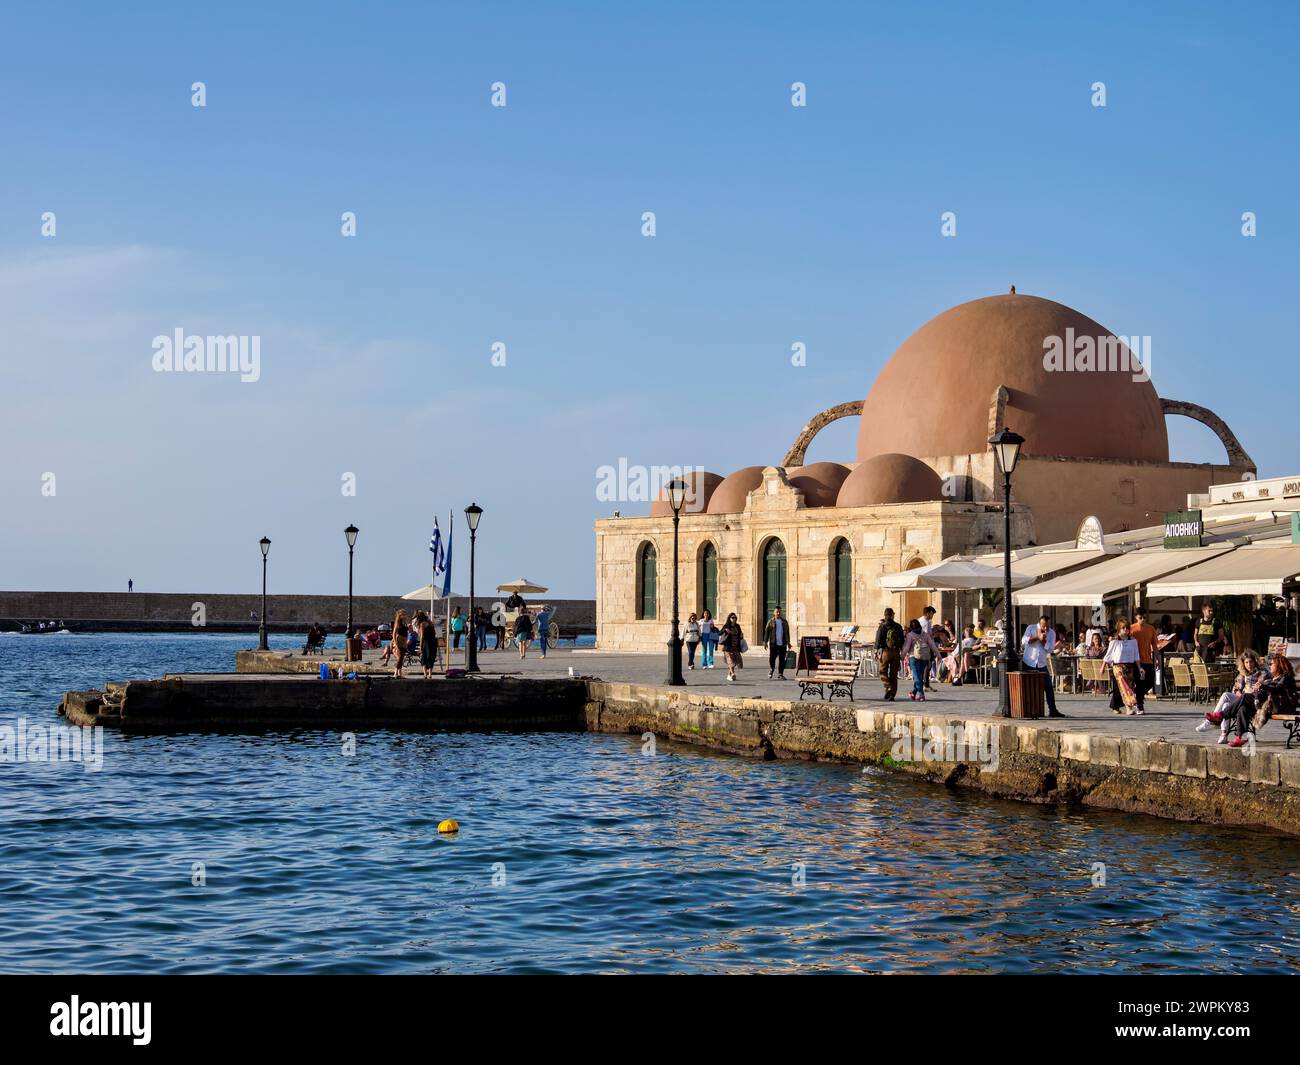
x=834, y=673
x=1292, y=723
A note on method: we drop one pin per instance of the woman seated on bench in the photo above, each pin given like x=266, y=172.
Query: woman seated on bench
x=1250, y=675
x=315, y=639
x=1275, y=695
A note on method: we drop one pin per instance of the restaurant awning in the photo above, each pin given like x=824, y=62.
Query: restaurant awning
x=950, y=574
x=1091, y=586
x=1257, y=569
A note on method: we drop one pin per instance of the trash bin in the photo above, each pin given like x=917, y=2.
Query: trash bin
x=353, y=649
x=1026, y=691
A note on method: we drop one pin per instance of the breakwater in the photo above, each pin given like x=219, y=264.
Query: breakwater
x=187, y=612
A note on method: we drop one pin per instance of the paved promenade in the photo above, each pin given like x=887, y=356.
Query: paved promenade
x=1165, y=719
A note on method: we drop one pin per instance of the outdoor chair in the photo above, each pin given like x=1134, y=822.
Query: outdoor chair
x=1180, y=677
x=1207, y=685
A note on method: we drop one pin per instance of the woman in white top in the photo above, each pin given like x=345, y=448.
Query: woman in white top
x=1122, y=655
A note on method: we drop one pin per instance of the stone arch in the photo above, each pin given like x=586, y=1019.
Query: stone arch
x=1236, y=453
x=795, y=456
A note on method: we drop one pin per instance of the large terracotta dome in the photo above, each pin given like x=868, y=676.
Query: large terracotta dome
x=819, y=482
x=932, y=397
x=890, y=478
x=701, y=487
x=730, y=496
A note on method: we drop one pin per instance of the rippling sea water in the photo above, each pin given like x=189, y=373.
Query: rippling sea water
x=576, y=854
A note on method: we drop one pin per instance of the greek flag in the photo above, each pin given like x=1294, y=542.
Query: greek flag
x=446, y=561
x=435, y=545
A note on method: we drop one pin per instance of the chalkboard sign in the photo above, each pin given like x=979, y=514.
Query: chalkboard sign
x=812, y=649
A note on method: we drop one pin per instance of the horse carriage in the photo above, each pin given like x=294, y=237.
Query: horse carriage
x=509, y=617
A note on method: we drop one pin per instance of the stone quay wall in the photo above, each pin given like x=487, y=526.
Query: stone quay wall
x=1188, y=782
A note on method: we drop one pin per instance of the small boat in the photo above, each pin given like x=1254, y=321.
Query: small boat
x=44, y=628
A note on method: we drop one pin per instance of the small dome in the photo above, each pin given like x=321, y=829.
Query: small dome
x=819, y=483
x=729, y=497
x=700, y=489
x=890, y=478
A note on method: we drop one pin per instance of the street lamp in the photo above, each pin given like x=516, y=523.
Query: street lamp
x=265, y=545
x=351, y=533
x=676, y=489
x=472, y=514
x=1006, y=445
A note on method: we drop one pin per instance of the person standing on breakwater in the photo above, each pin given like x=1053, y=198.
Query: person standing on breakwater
x=428, y=634
x=544, y=628
x=733, y=646
x=130, y=585
x=401, y=631
x=524, y=631
x=708, y=640
x=889, y=647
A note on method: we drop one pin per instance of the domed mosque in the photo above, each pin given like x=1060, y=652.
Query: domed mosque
x=815, y=538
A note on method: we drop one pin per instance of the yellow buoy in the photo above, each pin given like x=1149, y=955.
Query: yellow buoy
x=448, y=826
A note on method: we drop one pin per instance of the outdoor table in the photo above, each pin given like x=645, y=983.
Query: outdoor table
x=1071, y=671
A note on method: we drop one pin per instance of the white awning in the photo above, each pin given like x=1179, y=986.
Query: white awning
x=1091, y=586
x=1258, y=569
x=950, y=574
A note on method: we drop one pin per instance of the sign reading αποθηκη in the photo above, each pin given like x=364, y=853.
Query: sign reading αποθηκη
x=1183, y=528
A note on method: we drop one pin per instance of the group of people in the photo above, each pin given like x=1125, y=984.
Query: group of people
x=1258, y=694
x=930, y=650
x=702, y=633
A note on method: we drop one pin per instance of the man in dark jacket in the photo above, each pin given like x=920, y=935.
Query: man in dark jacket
x=889, y=647
x=776, y=638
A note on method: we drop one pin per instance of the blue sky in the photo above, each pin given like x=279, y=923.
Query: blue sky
x=523, y=225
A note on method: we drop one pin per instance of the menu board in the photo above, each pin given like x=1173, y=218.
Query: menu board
x=812, y=649
x=1276, y=645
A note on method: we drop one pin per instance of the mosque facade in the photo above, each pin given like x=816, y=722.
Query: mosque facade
x=815, y=538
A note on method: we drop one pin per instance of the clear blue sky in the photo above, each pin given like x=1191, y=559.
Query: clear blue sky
x=522, y=225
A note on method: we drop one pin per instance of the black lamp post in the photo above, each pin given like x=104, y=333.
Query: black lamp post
x=1007, y=446
x=676, y=489
x=265, y=545
x=472, y=514
x=351, y=533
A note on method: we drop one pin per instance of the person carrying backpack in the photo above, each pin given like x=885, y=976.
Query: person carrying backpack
x=920, y=650
x=889, y=648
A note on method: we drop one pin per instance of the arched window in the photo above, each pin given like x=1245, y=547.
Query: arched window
x=773, y=578
x=708, y=582
x=646, y=583
x=842, y=582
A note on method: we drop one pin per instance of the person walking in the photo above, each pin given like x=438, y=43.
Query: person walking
x=428, y=634
x=708, y=640
x=776, y=639
x=889, y=646
x=524, y=631
x=918, y=651
x=1122, y=657
x=692, y=639
x=1146, y=636
x=732, y=640
x=544, y=628
x=1036, y=647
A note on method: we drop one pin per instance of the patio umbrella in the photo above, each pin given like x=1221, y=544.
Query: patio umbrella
x=952, y=574
x=521, y=585
x=429, y=591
